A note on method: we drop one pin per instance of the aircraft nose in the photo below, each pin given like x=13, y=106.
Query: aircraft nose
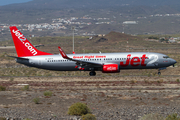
x=173, y=61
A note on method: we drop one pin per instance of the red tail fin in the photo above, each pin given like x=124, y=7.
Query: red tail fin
x=23, y=47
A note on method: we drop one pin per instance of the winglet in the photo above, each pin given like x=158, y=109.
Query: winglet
x=63, y=53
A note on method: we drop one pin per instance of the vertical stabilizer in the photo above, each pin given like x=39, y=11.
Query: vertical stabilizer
x=23, y=47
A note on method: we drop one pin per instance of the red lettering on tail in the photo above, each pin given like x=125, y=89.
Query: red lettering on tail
x=23, y=47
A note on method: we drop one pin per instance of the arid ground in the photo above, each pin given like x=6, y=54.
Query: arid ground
x=127, y=95
x=109, y=98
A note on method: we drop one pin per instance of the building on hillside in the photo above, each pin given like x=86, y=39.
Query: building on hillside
x=101, y=35
x=172, y=40
x=130, y=22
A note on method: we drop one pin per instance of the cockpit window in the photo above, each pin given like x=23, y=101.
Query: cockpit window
x=166, y=57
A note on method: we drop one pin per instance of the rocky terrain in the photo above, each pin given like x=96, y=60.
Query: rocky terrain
x=109, y=98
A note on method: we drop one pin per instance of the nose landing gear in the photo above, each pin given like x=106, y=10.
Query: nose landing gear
x=159, y=73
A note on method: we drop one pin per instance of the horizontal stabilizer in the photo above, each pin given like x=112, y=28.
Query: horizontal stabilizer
x=18, y=57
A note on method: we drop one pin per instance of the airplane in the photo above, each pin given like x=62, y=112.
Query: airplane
x=28, y=55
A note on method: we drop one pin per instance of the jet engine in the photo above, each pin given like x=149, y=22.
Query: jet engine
x=110, y=68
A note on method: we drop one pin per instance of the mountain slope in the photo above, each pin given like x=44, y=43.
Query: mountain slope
x=61, y=4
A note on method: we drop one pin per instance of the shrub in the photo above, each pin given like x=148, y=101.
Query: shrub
x=48, y=93
x=173, y=116
x=11, y=79
x=152, y=117
x=2, y=88
x=153, y=37
x=88, y=117
x=25, y=88
x=133, y=81
x=26, y=119
x=2, y=118
x=78, y=109
x=36, y=100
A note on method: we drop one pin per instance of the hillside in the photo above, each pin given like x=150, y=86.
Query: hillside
x=119, y=36
x=59, y=4
x=117, y=11
x=32, y=11
x=154, y=5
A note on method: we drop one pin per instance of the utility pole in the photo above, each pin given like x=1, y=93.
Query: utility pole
x=73, y=28
x=123, y=29
x=127, y=46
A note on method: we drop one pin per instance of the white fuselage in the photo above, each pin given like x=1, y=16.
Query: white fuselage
x=134, y=60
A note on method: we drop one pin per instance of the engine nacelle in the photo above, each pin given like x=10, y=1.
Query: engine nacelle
x=110, y=68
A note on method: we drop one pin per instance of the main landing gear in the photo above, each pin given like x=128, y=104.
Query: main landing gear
x=92, y=73
x=159, y=73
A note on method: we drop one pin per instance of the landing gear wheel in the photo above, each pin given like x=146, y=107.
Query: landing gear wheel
x=159, y=73
x=92, y=73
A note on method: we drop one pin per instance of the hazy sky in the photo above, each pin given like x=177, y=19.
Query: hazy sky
x=6, y=2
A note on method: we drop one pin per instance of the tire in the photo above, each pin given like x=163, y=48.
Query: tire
x=92, y=73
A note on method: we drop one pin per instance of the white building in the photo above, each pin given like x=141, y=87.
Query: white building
x=130, y=22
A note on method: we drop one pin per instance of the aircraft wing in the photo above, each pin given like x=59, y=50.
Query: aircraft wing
x=79, y=62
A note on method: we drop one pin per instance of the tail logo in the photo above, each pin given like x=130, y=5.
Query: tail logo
x=23, y=39
x=30, y=48
x=19, y=35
